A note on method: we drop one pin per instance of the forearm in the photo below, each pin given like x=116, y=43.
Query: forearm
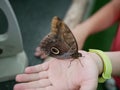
x=115, y=59
x=104, y=18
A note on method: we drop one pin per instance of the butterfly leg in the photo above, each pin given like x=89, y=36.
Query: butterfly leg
x=81, y=63
x=70, y=62
x=73, y=60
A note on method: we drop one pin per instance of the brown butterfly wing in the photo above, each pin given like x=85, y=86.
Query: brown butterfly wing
x=67, y=36
x=60, y=42
x=53, y=44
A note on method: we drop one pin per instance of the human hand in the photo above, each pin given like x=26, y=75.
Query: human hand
x=58, y=75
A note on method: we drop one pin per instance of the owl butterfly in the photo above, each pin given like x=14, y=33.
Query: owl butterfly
x=60, y=42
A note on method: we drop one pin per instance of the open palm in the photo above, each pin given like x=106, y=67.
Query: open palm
x=79, y=74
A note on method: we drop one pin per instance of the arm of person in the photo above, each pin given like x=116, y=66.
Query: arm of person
x=101, y=20
x=114, y=59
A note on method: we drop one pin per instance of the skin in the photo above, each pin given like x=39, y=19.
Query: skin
x=56, y=75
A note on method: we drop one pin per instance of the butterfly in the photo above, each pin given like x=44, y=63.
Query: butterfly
x=60, y=42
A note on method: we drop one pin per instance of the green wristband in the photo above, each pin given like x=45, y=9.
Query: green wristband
x=107, y=66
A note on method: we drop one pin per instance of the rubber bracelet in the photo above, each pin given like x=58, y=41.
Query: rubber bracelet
x=107, y=66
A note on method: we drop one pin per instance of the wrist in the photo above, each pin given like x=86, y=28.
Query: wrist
x=107, y=65
x=98, y=62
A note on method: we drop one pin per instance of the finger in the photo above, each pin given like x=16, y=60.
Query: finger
x=37, y=68
x=37, y=52
x=33, y=85
x=89, y=85
x=31, y=77
x=43, y=56
x=47, y=88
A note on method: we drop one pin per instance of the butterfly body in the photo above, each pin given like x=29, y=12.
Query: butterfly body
x=60, y=42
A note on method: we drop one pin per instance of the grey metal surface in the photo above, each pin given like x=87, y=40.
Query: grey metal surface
x=11, y=41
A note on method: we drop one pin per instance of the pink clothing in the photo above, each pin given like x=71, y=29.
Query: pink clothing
x=116, y=42
x=116, y=47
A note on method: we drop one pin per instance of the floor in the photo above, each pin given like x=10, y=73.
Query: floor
x=34, y=17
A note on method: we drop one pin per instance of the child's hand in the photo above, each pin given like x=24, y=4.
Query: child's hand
x=61, y=75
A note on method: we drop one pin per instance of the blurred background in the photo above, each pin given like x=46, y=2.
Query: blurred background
x=34, y=18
